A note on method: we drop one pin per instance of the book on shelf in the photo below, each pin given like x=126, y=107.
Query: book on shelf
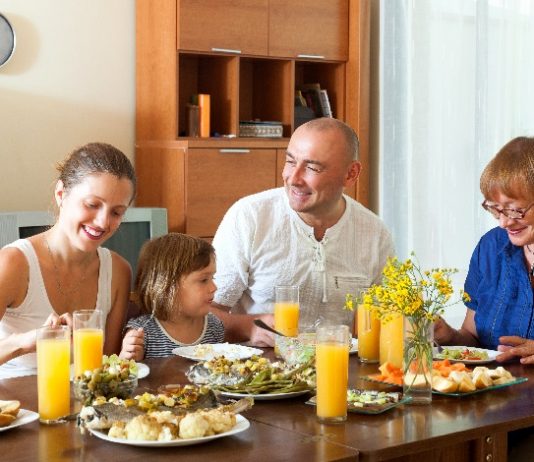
x=316, y=99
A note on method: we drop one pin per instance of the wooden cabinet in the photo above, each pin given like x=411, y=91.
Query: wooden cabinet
x=309, y=29
x=235, y=26
x=245, y=55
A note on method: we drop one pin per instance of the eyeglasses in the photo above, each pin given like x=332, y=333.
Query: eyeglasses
x=514, y=214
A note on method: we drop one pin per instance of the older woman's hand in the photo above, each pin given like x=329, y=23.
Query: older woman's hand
x=443, y=333
x=514, y=346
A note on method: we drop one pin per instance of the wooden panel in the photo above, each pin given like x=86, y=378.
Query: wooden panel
x=311, y=27
x=160, y=177
x=216, y=180
x=357, y=93
x=224, y=24
x=156, y=63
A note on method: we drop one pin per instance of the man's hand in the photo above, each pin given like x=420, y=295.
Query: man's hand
x=261, y=337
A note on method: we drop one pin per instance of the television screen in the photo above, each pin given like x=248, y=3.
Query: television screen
x=139, y=224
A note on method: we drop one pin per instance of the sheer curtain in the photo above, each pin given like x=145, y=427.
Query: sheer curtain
x=456, y=83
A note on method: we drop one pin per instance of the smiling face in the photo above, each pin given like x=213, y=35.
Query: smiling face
x=92, y=210
x=318, y=166
x=195, y=292
x=520, y=232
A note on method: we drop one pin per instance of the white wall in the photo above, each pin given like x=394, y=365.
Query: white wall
x=70, y=81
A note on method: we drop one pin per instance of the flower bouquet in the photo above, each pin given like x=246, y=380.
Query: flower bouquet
x=420, y=297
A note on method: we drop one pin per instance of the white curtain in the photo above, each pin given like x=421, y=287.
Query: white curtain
x=456, y=83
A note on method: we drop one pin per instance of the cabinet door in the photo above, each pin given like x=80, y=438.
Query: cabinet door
x=309, y=28
x=216, y=178
x=223, y=25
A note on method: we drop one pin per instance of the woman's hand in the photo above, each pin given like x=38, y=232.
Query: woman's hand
x=513, y=346
x=54, y=320
x=443, y=333
x=133, y=345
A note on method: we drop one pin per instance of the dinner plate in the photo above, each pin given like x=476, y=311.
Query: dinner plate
x=264, y=396
x=208, y=351
x=142, y=371
x=492, y=354
x=24, y=417
x=241, y=425
x=371, y=409
x=517, y=381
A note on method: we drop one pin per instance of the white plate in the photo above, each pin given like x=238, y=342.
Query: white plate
x=241, y=425
x=353, y=346
x=492, y=354
x=206, y=352
x=264, y=396
x=142, y=371
x=24, y=417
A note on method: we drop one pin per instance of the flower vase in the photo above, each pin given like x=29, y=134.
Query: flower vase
x=417, y=359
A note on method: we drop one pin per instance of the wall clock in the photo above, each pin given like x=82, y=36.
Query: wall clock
x=7, y=40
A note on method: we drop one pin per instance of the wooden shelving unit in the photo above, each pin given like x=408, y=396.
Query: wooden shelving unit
x=249, y=56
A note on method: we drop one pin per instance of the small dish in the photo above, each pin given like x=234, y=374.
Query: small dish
x=85, y=391
x=492, y=354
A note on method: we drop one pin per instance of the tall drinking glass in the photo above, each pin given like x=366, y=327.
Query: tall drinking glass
x=368, y=335
x=53, y=373
x=286, y=311
x=392, y=340
x=88, y=340
x=332, y=366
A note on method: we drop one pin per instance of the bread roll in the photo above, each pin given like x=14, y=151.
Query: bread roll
x=481, y=379
x=6, y=419
x=444, y=385
x=10, y=407
x=466, y=385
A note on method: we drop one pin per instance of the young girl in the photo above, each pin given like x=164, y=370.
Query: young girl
x=175, y=288
x=44, y=278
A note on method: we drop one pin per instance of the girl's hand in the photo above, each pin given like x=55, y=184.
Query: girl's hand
x=133, y=345
x=513, y=346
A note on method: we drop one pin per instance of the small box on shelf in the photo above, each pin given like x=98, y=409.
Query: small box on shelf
x=260, y=129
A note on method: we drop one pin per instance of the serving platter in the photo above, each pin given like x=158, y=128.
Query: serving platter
x=264, y=396
x=241, y=425
x=206, y=352
x=24, y=417
x=370, y=409
x=517, y=381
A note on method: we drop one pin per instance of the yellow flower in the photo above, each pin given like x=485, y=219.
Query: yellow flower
x=410, y=291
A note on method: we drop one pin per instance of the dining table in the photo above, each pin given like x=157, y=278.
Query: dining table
x=470, y=428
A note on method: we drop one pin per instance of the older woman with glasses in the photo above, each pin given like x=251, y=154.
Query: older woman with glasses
x=500, y=280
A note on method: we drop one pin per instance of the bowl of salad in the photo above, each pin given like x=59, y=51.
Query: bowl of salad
x=116, y=378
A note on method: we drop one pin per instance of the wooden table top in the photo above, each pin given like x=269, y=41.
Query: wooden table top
x=288, y=429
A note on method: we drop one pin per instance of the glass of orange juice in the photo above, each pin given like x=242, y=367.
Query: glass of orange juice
x=332, y=369
x=286, y=310
x=392, y=340
x=53, y=373
x=88, y=339
x=368, y=335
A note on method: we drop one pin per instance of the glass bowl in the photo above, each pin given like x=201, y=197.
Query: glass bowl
x=296, y=350
x=87, y=390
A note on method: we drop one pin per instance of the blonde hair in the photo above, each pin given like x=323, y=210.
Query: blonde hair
x=162, y=262
x=511, y=171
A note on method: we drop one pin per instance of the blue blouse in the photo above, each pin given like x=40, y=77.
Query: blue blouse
x=500, y=290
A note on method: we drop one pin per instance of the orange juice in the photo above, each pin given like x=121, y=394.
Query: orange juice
x=391, y=341
x=286, y=318
x=88, y=349
x=368, y=335
x=332, y=364
x=53, y=378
